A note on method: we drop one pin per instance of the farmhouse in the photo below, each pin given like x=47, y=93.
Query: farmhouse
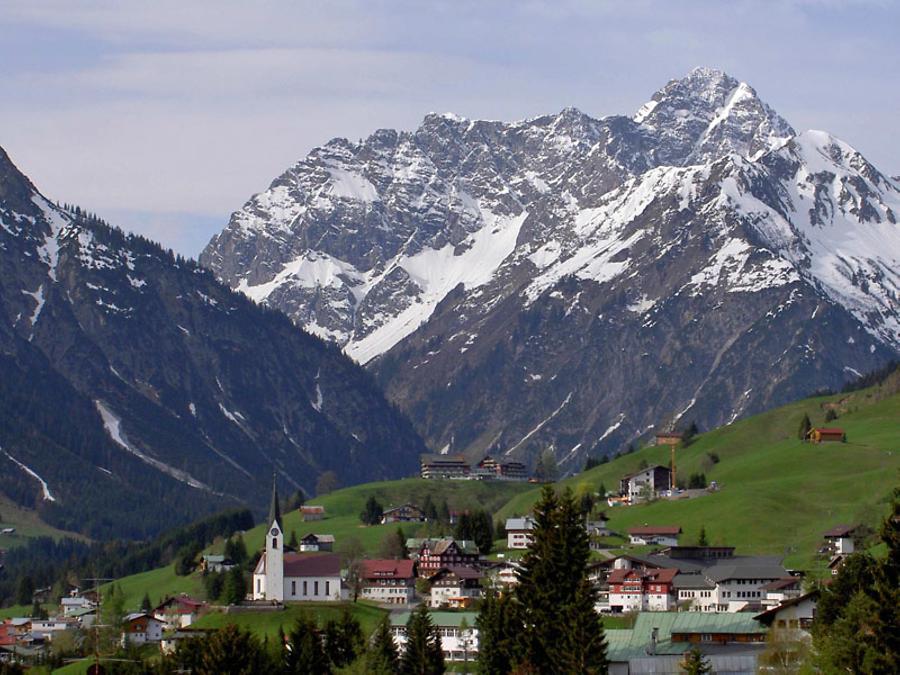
x=646, y=482
x=405, y=513
x=312, y=512
x=826, y=435
x=839, y=540
x=140, y=628
x=455, y=587
x=216, y=563
x=664, y=535
x=519, y=532
x=433, y=554
x=793, y=614
x=390, y=582
x=179, y=612
x=459, y=634
x=444, y=466
x=317, y=542
x=281, y=576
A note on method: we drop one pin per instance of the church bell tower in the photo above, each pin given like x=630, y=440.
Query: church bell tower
x=274, y=586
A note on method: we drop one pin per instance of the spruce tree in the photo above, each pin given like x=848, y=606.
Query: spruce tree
x=695, y=663
x=423, y=655
x=561, y=631
x=701, y=539
x=145, y=603
x=306, y=653
x=381, y=657
x=235, y=587
x=498, y=631
x=232, y=650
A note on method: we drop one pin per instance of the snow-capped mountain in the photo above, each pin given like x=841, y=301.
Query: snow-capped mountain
x=136, y=391
x=572, y=282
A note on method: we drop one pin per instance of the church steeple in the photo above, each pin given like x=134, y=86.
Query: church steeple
x=275, y=507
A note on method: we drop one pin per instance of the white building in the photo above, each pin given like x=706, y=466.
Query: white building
x=839, y=540
x=459, y=635
x=519, y=532
x=281, y=576
x=46, y=628
x=140, y=628
x=662, y=535
x=794, y=614
x=391, y=582
x=455, y=587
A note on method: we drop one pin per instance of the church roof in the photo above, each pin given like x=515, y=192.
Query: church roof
x=306, y=565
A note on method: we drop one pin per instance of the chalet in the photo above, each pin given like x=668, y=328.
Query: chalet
x=69, y=606
x=317, y=542
x=795, y=613
x=781, y=590
x=435, y=467
x=647, y=482
x=405, y=513
x=140, y=628
x=663, y=535
x=669, y=438
x=391, y=582
x=179, y=612
x=519, y=532
x=839, y=540
x=216, y=563
x=836, y=562
x=504, y=574
x=433, y=554
x=458, y=631
x=46, y=629
x=632, y=590
x=312, y=512
x=826, y=435
x=455, y=587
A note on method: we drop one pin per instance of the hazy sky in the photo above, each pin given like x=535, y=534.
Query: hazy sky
x=164, y=116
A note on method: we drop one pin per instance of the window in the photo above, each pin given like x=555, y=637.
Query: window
x=305, y=592
x=259, y=585
x=293, y=588
x=327, y=588
x=316, y=587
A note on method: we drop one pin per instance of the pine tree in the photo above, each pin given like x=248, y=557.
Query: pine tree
x=429, y=509
x=695, y=663
x=372, y=512
x=293, y=542
x=235, y=589
x=24, y=591
x=382, y=658
x=423, y=655
x=232, y=650
x=306, y=653
x=145, y=603
x=805, y=426
x=498, y=631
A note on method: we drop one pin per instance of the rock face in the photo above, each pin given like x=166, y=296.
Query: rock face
x=572, y=283
x=136, y=391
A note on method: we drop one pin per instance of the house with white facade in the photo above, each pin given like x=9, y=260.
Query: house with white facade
x=459, y=634
x=317, y=542
x=291, y=577
x=391, y=582
x=662, y=535
x=635, y=590
x=179, y=612
x=455, y=587
x=645, y=483
x=794, y=614
x=140, y=628
x=839, y=540
x=519, y=533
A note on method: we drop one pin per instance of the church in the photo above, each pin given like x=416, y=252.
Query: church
x=287, y=576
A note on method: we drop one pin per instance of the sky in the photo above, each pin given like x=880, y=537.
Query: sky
x=164, y=117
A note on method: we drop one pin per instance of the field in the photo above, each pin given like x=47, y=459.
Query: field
x=776, y=495
x=28, y=525
x=267, y=623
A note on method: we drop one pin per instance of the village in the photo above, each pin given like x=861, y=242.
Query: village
x=659, y=593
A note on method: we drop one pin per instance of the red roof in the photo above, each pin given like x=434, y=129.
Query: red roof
x=840, y=531
x=387, y=569
x=654, y=529
x=312, y=509
x=829, y=430
x=311, y=565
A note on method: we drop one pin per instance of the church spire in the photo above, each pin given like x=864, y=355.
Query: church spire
x=275, y=507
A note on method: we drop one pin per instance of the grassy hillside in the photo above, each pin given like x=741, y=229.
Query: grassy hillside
x=777, y=495
x=267, y=623
x=344, y=506
x=28, y=525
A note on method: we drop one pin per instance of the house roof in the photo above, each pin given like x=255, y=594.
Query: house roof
x=693, y=581
x=458, y=570
x=632, y=643
x=439, y=619
x=829, y=430
x=439, y=546
x=781, y=584
x=312, y=508
x=311, y=565
x=526, y=523
x=387, y=569
x=631, y=475
x=769, y=614
x=840, y=531
x=654, y=529
x=751, y=567
x=321, y=538
x=183, y=603
x=402, y=506
x=443, y=459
